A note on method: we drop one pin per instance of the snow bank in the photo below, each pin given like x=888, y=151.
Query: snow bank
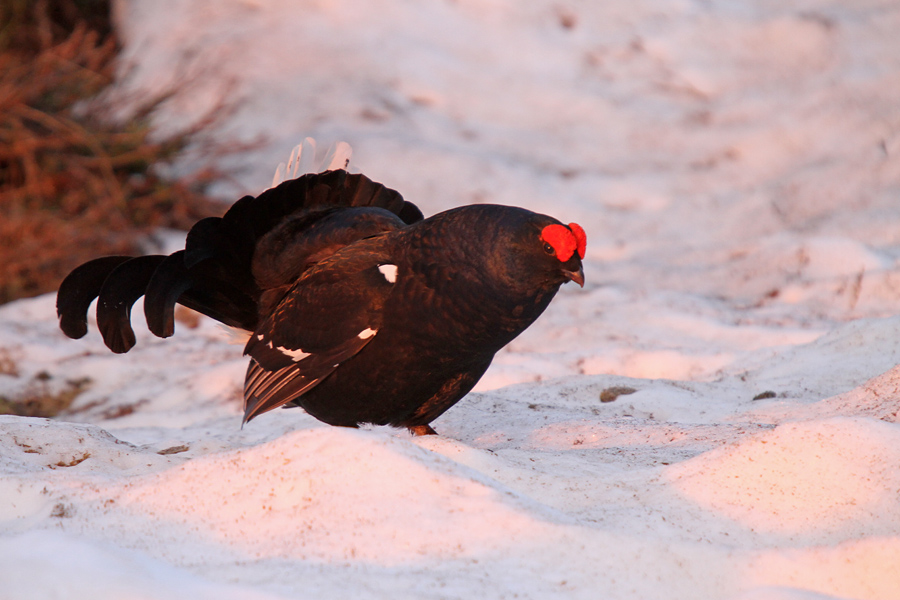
x=812, y=482
x=82, y=569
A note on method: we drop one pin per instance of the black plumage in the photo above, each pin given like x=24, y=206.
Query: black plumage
x=359, y=310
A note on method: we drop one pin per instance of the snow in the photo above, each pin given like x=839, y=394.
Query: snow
x=735, y=166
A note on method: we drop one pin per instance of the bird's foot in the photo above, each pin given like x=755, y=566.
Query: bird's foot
x=418, y=430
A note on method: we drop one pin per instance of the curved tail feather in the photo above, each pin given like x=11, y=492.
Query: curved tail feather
x=78, y=290
x=121, y=289
x=199, y=288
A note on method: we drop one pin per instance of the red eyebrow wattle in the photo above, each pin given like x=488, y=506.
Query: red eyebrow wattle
x=580, y=238
x=562, y=239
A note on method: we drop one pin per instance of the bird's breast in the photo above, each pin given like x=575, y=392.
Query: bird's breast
x=455, y=313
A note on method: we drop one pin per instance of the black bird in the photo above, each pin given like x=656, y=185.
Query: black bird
x=359, y=310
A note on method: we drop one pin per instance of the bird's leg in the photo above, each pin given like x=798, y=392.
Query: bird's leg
x=418, y=430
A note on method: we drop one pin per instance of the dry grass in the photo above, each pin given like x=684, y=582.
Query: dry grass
x=73, y=185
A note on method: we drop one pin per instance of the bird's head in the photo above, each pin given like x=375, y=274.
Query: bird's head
x=566, y=244
x=534, y=253
x=521, y=253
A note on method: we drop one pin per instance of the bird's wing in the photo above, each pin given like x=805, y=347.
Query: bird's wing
x=332, y=312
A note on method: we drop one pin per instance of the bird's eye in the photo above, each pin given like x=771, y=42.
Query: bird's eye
x=549, y=249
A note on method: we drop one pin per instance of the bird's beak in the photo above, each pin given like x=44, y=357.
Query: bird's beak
x=576, y=276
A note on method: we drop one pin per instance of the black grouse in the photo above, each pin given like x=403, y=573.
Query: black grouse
x=359, y=310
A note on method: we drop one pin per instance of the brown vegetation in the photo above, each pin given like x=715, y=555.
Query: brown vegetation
x=73, y=184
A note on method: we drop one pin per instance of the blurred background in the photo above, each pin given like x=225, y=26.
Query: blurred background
x=76, y=182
